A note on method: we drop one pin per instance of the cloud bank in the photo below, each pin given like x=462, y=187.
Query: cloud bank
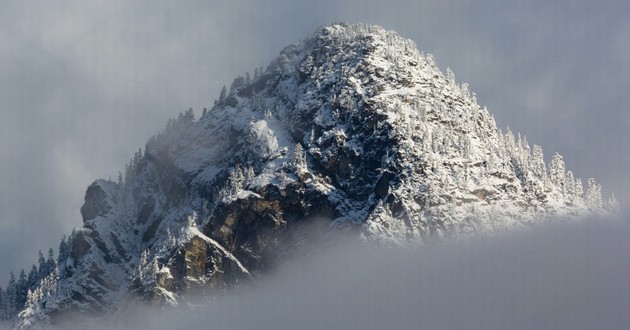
x=566, y=276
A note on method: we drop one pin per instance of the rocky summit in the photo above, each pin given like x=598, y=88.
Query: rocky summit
x=353, y=129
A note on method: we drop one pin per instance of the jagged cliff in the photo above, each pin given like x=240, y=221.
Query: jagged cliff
x=353, y=127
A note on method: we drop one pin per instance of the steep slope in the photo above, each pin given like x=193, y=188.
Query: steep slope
x=352, y=128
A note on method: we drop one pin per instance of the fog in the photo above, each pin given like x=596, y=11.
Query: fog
x=83, y=84
x=565, y=276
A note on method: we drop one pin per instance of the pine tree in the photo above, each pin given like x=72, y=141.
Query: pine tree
x=142, y=263
x=235, y=181
x=189, y=116
x=33, y=278
x=298, y=162
x=612, y=204
x=537, y=163
x=557, y=172
x=3, y=307
x=63, y=250
x=579, y=188
x=238, y=82
x=51, y=264
x=570, y=186
x=21, y=290
x=249, y=174
x=450, y=77
x=594, y=195
x=11, y=297
x=223, y=94
x=171, y=241
x=41, y=265
x=154, y=269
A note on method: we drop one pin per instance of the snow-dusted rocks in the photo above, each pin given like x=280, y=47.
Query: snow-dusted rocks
x=354, y=126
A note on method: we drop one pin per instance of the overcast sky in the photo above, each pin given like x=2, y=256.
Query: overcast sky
x=83, y=84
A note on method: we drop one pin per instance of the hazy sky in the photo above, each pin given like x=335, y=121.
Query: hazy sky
x=83, y=84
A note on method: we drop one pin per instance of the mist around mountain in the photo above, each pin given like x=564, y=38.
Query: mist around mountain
x=352, y=129
x=554, y=276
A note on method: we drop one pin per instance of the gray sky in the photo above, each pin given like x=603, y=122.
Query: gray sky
x=83, y=84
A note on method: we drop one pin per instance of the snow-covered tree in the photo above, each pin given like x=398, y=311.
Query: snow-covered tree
x=249, y=174
x=537, y=162
x=142, y=264
x=594, y=195
x=298, y=161
x=169, y=243
x=579, y=188
x=192, y=220
x=557, y=172
x=570, y=190
x=235, y=181
x=612, y=204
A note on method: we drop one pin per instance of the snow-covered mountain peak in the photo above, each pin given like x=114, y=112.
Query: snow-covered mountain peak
x=354, y=127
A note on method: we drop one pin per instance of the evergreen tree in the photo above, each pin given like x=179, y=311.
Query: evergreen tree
x=63, y=250
x=570, y=186
x=33, y=278
x=11, y=297
x=249, y=174
x=171, y=241
x=21, y=290
x=223, y=93
x=298, y=162
x=3, y=308
x=238, y=82
x=189, y=116
x=537, y=163
x=579, y=188
x=557, y=173
x=594, y=195
x=450, y=77
x=51, y=264
x=612, y=204
x=235, y=181
x=41, y=265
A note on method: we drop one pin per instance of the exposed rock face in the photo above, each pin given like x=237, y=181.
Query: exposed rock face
x=96, y=203
x=353, y=126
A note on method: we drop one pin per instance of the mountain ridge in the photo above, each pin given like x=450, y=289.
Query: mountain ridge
x=353, y=126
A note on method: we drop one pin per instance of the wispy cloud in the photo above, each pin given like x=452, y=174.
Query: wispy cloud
x=568, y=276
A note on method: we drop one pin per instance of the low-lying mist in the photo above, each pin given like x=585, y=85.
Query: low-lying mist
x=563, y=276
